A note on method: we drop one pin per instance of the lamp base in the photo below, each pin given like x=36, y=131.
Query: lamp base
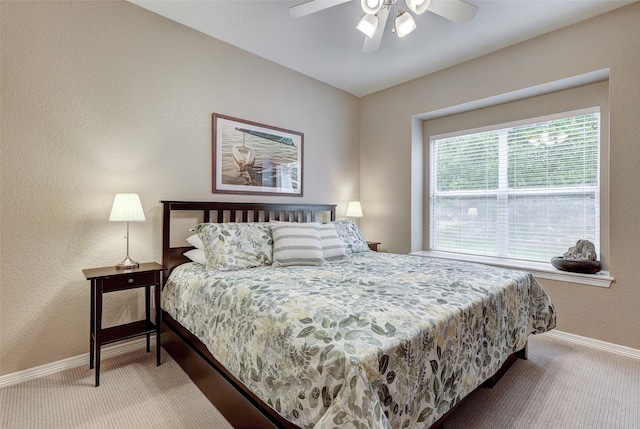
x=127, y=264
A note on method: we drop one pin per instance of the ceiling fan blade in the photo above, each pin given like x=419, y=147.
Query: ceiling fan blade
x=372, y=44
x=313, y=6
x=453, y=10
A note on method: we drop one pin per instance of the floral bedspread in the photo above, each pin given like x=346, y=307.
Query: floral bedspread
x=374, y=340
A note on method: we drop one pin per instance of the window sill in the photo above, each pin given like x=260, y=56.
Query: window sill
x=538, y=269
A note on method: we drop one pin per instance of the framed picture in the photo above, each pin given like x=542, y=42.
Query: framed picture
x=252, y=158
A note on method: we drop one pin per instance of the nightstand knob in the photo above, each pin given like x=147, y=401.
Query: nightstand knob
x=130, y=281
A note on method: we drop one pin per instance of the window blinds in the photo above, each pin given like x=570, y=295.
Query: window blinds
x=526, y=190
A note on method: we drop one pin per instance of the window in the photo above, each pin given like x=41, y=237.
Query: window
x=525, y=191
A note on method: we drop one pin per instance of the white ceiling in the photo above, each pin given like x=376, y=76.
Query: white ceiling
x=327, y=46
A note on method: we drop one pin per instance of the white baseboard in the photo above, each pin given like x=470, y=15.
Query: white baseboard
x=590, y=342
x=72, y=362
x=118, y=349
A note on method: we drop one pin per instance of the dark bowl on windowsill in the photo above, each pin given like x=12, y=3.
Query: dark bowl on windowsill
x=575, y=266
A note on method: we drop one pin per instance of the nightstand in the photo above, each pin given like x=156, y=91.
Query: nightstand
x=373, y=245
x=110, y=279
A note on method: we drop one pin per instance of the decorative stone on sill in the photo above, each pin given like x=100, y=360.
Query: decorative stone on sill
x=580, y=258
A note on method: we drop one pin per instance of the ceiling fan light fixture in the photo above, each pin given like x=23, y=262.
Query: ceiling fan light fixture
x=404, y=24
x=371, y=6
x=368, y=25
x=418, y=6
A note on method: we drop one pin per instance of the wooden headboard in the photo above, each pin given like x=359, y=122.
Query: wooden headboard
x=234, y=212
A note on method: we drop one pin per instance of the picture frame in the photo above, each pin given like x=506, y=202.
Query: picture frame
x=257, y=159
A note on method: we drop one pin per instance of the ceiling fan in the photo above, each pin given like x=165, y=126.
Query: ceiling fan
x=377, y=13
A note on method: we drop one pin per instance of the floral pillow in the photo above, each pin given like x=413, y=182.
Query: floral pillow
x=233, y=246
x=351, y=236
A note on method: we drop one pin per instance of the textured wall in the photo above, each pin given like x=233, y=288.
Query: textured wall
x=106, y=97
x=609, y=41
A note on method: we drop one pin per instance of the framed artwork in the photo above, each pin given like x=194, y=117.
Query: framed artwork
x=252, y=158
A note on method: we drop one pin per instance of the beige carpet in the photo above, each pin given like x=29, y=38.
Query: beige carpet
x=133, y=393
x=562, y=386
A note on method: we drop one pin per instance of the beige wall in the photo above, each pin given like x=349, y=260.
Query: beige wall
x=106, y=97
x=610, y=41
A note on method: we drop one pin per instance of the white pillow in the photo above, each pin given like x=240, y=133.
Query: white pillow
x=195, y=241
x=332, y=247
x=296, y=244
x=196, y=255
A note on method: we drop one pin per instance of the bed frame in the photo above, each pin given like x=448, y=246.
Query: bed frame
x=239, y=405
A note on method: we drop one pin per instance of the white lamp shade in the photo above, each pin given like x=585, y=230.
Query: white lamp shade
x=354, y=209
x=127, y=208
x=418, y=6
x=368, y=25
x=405, y=24
x=371, y=6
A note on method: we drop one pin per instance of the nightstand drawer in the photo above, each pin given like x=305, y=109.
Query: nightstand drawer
x=127, y=281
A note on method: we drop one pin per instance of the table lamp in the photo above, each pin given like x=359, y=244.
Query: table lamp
x=354, y=209
x=127, y=208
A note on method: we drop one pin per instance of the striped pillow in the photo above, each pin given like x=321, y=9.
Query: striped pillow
x=296, y=244
x=332, y=247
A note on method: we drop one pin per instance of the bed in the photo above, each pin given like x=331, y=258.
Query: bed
x=361, y=340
